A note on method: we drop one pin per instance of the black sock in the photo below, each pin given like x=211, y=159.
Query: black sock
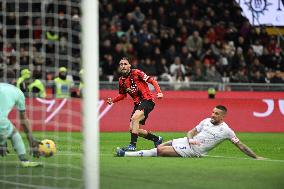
x=134, y=137
x=152, y=137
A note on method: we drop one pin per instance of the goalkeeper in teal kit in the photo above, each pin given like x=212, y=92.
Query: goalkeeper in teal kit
x=11, y=96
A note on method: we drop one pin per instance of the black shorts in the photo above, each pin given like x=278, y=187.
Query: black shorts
x=147, y=106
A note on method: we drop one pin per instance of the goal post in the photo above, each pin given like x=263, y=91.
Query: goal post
x=91, y=111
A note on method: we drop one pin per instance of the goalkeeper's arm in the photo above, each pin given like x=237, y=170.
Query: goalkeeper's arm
x=34, y=144
x=26, y=126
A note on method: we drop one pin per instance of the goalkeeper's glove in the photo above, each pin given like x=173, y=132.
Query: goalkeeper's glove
x=4, y=149
x=34, y=148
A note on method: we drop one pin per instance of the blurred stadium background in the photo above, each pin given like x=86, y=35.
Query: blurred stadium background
x=234, y=47
x=175, y=41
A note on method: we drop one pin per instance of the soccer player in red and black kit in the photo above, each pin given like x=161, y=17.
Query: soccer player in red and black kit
x=134, y=82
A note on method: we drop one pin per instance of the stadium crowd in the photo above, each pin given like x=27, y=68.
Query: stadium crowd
x=41, y=36
x=173, y=40
x=185, y=40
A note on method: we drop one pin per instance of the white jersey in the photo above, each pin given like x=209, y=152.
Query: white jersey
x=210, y=135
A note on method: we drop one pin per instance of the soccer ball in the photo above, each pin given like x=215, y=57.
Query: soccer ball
x=47, y=148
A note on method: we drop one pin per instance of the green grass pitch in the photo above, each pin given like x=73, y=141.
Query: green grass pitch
x=225, y=167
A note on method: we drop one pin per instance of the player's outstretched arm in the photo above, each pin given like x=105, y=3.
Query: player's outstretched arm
x=245, y=149
x=120, y=97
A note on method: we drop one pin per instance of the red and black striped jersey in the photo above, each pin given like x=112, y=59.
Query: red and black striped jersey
x=135, y=84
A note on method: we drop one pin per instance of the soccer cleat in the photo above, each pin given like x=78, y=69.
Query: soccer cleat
x=130, y=147
x=120, y=152
x=30, y=164
x=158, y=142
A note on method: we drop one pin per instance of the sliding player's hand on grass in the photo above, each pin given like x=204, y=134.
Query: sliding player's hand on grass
x=4, y=150
x=260, y=158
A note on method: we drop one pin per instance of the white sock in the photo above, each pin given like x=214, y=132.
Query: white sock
x=143, y=153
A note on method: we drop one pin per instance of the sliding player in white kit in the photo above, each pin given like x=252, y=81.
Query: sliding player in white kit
x=200, y=140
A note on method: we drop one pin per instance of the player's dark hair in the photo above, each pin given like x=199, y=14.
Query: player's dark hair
x=126, y=58
x=221, y=107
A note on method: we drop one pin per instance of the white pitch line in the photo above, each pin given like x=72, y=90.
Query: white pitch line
x=63, y=153
x=224, y=157
x=228, y=157
x=43, y=177
x=25, y=185
x=56, y=165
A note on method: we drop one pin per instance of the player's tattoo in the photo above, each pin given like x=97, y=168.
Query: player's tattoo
x=247, y=150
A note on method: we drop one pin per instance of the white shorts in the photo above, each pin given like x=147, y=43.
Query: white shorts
x=182, y=147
